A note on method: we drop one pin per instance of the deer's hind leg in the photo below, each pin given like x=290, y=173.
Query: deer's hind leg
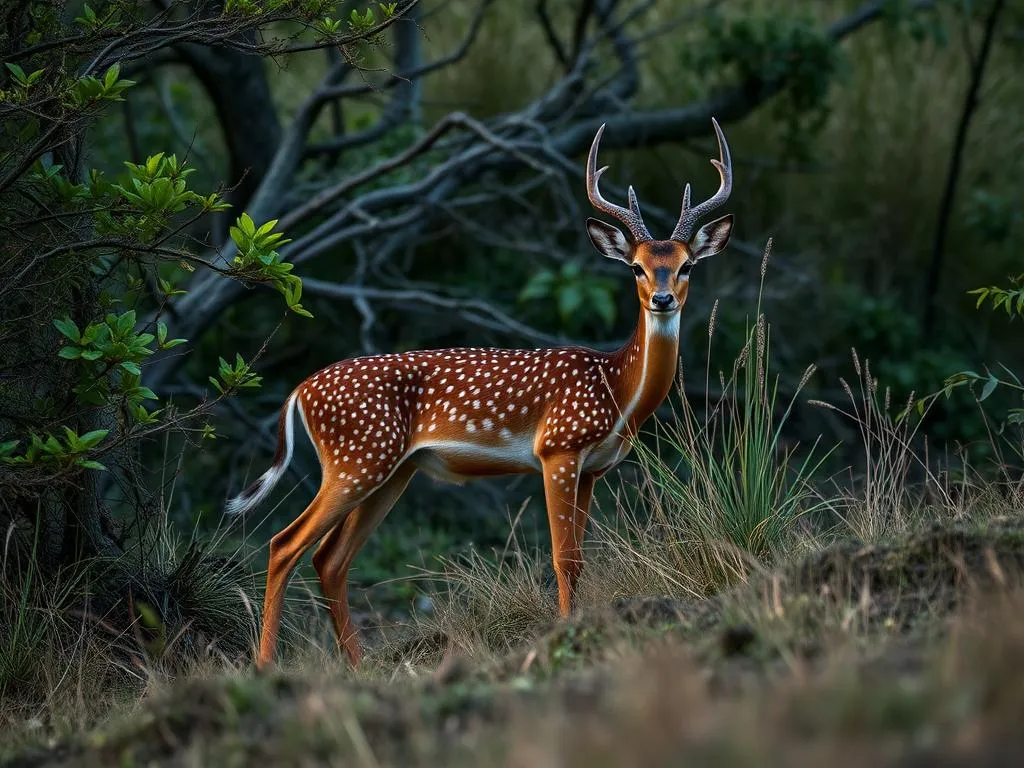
x=344, y=487
x=335, y=555
x=329, y=506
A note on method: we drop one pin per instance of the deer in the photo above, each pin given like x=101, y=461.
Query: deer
x=567, y=413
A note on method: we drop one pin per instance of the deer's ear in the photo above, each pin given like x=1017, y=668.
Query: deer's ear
x=608, y=240
x=711, y=238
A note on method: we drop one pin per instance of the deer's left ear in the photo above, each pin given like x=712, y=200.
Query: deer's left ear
x=711, y=238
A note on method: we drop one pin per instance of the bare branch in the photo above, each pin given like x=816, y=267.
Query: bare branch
x=474, y=310
x=397, y=109
x=557, y=47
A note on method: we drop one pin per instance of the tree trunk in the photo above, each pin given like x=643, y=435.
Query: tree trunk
x=978, y=64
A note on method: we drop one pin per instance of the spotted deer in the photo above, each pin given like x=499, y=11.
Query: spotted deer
x=566, y=413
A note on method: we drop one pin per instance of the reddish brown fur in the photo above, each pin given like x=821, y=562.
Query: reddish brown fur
x=666, y=255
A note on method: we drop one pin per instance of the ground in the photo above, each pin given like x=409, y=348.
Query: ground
x=906, y=653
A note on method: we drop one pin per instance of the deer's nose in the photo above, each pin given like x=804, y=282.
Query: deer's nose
x=662, y=300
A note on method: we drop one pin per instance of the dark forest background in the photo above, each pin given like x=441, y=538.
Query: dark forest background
x=202, y=203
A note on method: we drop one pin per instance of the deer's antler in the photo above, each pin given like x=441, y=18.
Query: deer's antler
x=630, y=217
x=689, y=216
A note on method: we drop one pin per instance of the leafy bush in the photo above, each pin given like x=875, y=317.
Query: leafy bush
x=1011, y=301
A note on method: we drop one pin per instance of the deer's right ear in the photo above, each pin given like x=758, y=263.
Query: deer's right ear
x=608, y=240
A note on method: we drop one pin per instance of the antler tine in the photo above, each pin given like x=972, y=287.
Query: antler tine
x=689, y=216
x=630, y=217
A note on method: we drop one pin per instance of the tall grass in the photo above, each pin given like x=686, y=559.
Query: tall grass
x=33, y=612
x=884, y=501
x=721, y=491
x=82, y=639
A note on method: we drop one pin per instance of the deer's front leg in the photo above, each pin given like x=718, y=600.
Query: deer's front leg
x=567, y=494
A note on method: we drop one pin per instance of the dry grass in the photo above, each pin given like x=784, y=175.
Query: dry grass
x=779, y=672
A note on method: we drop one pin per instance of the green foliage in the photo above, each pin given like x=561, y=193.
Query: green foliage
x=882, y=327
x=50, y=452
x=362, y=22
x=157, y=190
x=774, y=48
x=328, y=26
x=111, y=353
x=1012, y=301
x=258, y=260
x=108, y=17
x=142, y=212
x=233, y=377
x=577, y=295
x=90, y=90
x=23, y=80
x=358, y=23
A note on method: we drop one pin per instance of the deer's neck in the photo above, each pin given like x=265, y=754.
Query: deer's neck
x=643, y=370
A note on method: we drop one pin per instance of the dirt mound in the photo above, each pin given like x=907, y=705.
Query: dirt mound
x=927, y=572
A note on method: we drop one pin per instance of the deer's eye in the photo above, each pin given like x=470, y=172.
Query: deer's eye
x=638, y=270
x=685, y=269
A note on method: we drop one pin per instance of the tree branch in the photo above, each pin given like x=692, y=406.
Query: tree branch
x=471, y=160
x=953, y=175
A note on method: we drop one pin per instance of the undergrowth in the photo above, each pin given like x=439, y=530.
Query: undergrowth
x=733, y=543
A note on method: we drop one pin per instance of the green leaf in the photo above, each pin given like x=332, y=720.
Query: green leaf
x=111, y=76
x=147, y=394
x=91, y=439
x=70, y=353
x=126, y=322
x=18, y=72
x=266, y=228
x=989, y=387
x=570, y=299
x=68, y=328
x=239, y=237
x=246, y=225
x=91, y=464
x=131, y=367
x=72, y=439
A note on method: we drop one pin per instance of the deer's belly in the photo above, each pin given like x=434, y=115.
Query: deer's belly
x=606, y=454
x=456, y=462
